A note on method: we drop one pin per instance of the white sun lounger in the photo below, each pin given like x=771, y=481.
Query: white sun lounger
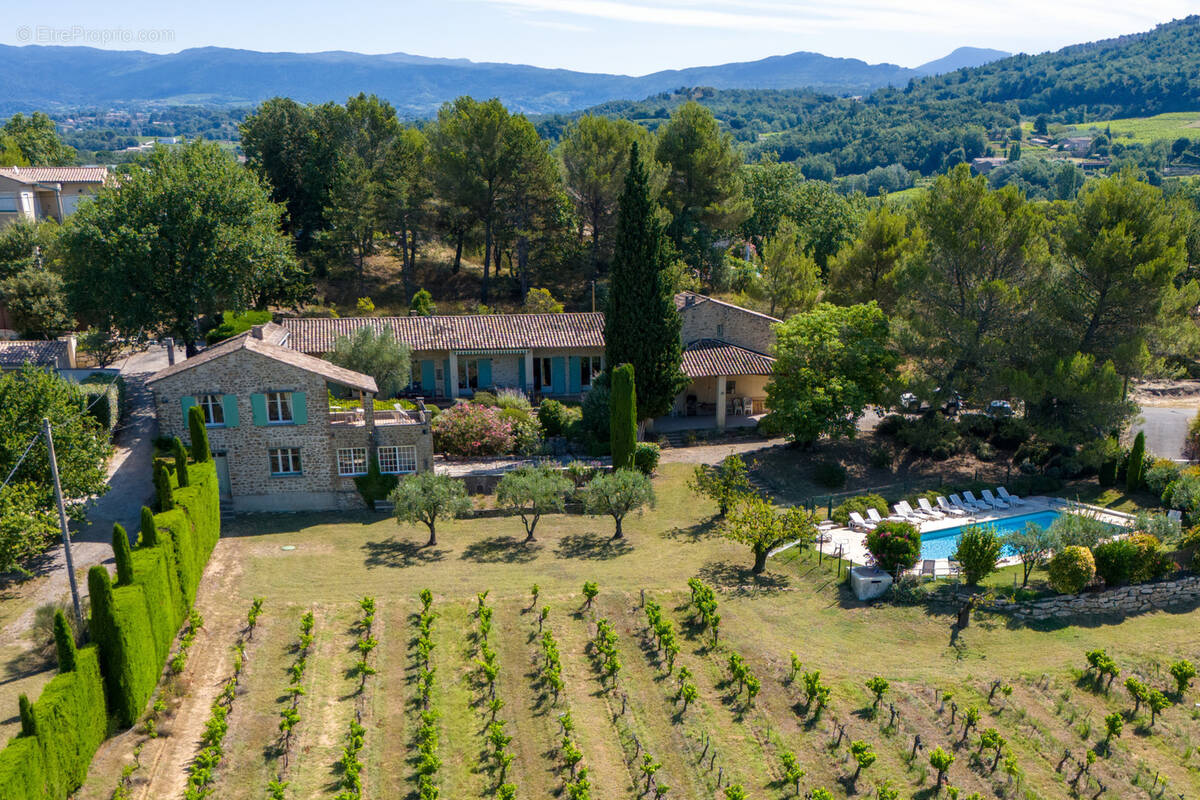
x=1011, y=499
x=982, y=505
x=988, y=497
x=946, y=508
x=858, y=523
x=907, y=512
x=923, y=503
x=970, y=508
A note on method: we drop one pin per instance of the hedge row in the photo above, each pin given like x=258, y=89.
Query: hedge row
x=71, y=724
x=105, y=398
x=133, y=627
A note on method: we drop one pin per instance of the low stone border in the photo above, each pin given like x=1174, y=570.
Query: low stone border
x=1126, y=600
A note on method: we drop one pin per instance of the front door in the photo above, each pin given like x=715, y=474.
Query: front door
x=222, y=464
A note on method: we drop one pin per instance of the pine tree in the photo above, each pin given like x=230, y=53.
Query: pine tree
x=1137, y=458
x=199, y=434
x=148, y=533
x=162, y=487
x=123, y=555
x=181, y=459
x=28, y=720
x=641, y=324
x=64, y=642
x=623, y=425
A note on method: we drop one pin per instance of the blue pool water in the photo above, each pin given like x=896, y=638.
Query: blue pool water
x=943, y=543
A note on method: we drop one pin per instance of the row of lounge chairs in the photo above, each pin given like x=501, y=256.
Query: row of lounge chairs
x=955, y=506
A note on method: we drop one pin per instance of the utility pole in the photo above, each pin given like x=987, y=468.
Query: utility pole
x=62, y=521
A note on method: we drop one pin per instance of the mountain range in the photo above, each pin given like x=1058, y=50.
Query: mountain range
x=47, y=78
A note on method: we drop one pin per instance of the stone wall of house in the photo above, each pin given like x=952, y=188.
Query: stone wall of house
x=243, y=373
x=1125, y=600
x=709, y=319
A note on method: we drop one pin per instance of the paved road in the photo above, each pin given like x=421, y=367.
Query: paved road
x=131, y=486
x=1165, y=428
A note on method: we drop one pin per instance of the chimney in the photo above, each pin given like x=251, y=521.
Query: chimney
x=257, y=331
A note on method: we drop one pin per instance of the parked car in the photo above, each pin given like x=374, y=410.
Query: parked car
x=910, y=403
x=998, y=409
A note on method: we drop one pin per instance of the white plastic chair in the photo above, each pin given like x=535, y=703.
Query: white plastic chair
x=946, y=508
x=988, y=497
x=1011, y=499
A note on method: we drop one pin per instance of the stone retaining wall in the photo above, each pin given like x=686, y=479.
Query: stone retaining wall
x=1126, y=600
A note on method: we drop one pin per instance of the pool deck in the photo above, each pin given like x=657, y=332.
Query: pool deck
x=853, y=542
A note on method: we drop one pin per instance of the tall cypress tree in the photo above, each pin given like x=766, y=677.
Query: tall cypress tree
x=623, y=423
x=162, y=487
x=181, y=465
x=1134, y=472
x=28, y=720
x=199, y=435
x=64, y=642
x=123, y=555
x=641, y=325
x=148, y=533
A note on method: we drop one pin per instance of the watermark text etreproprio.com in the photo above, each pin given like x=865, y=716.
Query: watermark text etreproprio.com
x=81, y=34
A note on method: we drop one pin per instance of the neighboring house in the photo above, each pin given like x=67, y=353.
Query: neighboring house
x=986, y=164
x=277, y=443
x=725, y=351
x=34, y=193
x=1076, y=145
x=55, y=354
x=543, y=355
x=558, y=355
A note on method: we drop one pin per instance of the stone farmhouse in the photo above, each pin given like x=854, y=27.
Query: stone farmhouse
x=279, y=445
x=33, y=193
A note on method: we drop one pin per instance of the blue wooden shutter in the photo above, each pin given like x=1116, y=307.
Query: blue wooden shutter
x=187, y=402
x=229, y=404
x=573, y=375
x=258, y=405
x=428, y=378
x=521, y=379
x=558, y=375
x=485, y=373
x=299, y=408
x=446, y=377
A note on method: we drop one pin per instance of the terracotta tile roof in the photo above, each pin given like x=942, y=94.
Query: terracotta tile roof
x=689, y=299
x=490, y=331
x=708, y=358
x=269, y=340
x=19, y=352
x=56, y=174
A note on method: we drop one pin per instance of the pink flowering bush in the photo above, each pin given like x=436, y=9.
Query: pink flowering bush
x=468, y=430
x=894, y=546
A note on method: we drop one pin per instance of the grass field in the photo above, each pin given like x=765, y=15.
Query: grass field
x=797, y=606
x=1135, y=130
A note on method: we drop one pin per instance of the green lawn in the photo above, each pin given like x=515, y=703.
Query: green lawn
x=1135, y=130
x=796, y=606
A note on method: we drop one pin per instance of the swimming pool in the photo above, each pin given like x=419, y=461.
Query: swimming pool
x=943, y=543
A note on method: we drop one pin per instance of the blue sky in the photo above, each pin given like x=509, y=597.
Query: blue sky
x=625, y=36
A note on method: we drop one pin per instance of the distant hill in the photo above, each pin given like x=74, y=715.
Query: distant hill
x=960, y=58
x=47, y=78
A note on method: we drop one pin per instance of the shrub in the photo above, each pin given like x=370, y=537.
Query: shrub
x=860, y=503
x=422, y=303
x=1081, y=530
x=977, y=552
x=483, y=397
x=595, y=418
x=933, y=436
x=1011, y=433
x=375, y=486
x=645, y=457
x=179, y=454
x=830, y=474
x=162, y=487
x=198, y=433
x=1071, y=569
x=526, y=430
x=895, y=546
x=980, y=426
x=890, y=425
x=1183, y=494
x=513, y=398
x=102, y=403
x=881, y=456
x=1160, y=475
x=554, y=416
x=469, y=430
x=1116, y=561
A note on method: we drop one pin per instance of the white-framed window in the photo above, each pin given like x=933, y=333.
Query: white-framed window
x=279, y=407
x=589, y=367
x=284, y=460
x=398, y=459
x=213, y=407
x=468, y=373
x=352, y=461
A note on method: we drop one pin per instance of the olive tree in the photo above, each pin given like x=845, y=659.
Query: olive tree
x=427, y=497
x=531, y=492
x=618, y=494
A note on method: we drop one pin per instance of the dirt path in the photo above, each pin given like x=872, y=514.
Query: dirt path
x=713, y=453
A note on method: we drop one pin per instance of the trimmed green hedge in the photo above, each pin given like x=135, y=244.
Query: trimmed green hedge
x=71, y=725
x=133, y=641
